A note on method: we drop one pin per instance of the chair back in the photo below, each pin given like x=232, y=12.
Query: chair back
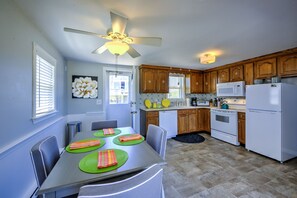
x=156, y=137
x=44, y=156
x=145, y=184
x=104, y=124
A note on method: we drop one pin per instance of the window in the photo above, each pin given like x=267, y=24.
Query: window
x=176, y=86
x=118, y=89
x=44, y=102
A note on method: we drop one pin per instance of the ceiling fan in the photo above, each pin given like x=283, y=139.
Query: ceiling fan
x=120, y=42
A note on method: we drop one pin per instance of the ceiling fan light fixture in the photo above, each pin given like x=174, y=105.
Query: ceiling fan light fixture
x=207, y=59
x=117, y=47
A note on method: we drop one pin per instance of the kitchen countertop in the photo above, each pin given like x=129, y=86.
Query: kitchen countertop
x=185, y=107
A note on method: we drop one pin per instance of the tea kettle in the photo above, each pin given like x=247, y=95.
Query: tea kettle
x=224, y=105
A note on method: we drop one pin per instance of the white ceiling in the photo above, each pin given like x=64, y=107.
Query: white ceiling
x=234, y=29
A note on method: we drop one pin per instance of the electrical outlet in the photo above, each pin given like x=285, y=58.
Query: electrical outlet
x=98, y=102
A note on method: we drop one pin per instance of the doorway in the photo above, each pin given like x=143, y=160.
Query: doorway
x=119, y=95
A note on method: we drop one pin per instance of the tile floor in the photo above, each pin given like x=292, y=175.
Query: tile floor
x=217, y=169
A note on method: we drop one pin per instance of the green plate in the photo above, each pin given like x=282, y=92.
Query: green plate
x=83, y=150
x=89, y=163
x=117, y=141
x=100, y=133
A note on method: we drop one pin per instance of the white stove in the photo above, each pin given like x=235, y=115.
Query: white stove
x=224, y=125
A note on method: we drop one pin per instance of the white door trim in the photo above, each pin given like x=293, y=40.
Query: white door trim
x=111, y=68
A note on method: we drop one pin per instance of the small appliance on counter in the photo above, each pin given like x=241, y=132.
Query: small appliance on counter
x=224, y=106
x=202, y=103
x=194, y=101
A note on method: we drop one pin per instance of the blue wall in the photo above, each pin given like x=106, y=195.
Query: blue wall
x=18, y=133
x=79, y=106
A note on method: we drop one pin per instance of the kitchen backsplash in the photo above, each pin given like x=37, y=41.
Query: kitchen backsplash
x=160, y=97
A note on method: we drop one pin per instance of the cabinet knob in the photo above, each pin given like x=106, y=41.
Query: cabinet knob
x=149, y=81
x=163, y=81
x=196, y=83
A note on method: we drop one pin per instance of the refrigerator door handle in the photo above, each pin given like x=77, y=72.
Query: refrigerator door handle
x=263, y=111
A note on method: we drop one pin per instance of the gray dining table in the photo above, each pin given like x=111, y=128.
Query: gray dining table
x=66, y=177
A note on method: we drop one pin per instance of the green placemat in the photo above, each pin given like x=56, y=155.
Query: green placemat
x=117, y=141
x=100, y=133
x=89, y=163
x=82, y=150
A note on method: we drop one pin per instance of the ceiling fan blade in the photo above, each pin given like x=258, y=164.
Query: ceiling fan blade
x=154, y=41
x=83, y=32
x=100, y=50
x=132, y=52
x=118, y=23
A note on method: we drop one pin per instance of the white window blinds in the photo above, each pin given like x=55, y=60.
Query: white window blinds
x=43, y=83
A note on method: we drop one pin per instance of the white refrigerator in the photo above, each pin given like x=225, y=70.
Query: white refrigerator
x=271, y=120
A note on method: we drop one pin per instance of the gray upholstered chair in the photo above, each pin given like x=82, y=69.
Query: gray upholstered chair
x=104, y=124
x=145, y=184
x=156, y=137
x=44, y=156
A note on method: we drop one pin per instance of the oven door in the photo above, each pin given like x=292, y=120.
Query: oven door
x=224, y=122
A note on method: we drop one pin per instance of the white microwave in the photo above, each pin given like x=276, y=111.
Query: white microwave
x=231, y=89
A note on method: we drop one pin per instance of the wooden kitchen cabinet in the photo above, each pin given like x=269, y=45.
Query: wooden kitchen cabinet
x=147, y=80
x=203, y=119
x=187, y=120
x=265, y=68
x=192, y=116
x=153, y=80
x=236, y=73
x=213, y=81
x=206, y=76
x=223, y=75
x=287, y=65
x=210, y=82
x=241, y=127
x=196, y=80
x=146, y=118
x=249, y=73
x=206, y=113
x=162, y=81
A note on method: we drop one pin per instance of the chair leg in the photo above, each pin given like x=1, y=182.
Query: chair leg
x=163, y=194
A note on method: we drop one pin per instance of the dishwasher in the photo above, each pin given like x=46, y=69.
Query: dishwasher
x=168, y=121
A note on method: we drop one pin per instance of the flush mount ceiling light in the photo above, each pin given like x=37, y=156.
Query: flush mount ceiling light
x=117, y=47
x=207, y=58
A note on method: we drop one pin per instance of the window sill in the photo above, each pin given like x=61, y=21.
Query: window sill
x=36, y=120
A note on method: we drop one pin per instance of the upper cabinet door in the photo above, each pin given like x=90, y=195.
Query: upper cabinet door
x=287, y=65
x=162, y=81
x=207, y=82
x=249, y=73
x=265, y=68
x=213, y=81
x=196, y=83
x=236, y=73
x=147, y=81
x=223, y=75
